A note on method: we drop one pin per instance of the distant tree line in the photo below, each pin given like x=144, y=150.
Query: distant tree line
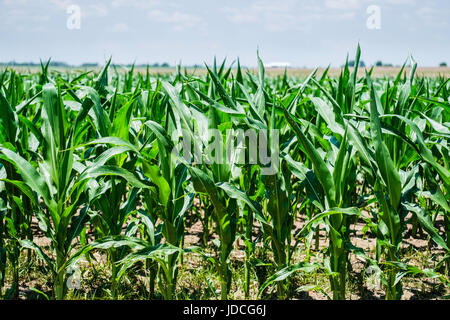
x=34, y=64
x=351, y=63
x=379, y=63
x=83, y=65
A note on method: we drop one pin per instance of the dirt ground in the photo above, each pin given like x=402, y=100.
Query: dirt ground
x=416, y=250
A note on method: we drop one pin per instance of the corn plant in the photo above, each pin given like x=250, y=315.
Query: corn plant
x=113, y=160
x=16, y=135
x=172, y=203
x=58, y=185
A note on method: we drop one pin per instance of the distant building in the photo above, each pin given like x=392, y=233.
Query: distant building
x=277, y=65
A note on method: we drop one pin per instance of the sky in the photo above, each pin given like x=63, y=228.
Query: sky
x=304, y=33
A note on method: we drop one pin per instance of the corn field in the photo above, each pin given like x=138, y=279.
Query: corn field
x=90, y=182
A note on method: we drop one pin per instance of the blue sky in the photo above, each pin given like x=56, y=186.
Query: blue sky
x=302, y=32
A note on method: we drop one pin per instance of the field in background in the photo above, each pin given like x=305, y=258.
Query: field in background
x=295, y=72
x=94, y=203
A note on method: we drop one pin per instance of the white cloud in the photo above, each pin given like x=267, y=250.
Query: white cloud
x=95, y=10
x=289, y=15
x=426, y=12
x=119, y=27
x=274, y=16
x=62, y=4
x=91, y=10
x=281, y=6
x=397, y=2
x=238, y=16
x=135, y=3
x=343, y=4
x=350, y=15
x=358, y=4
x=15, y=2
x=178, y=20
x=284, y=21
x=16, y=16
x=431, y=16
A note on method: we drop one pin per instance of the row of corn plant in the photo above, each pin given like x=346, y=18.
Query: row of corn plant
x=113, y=162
